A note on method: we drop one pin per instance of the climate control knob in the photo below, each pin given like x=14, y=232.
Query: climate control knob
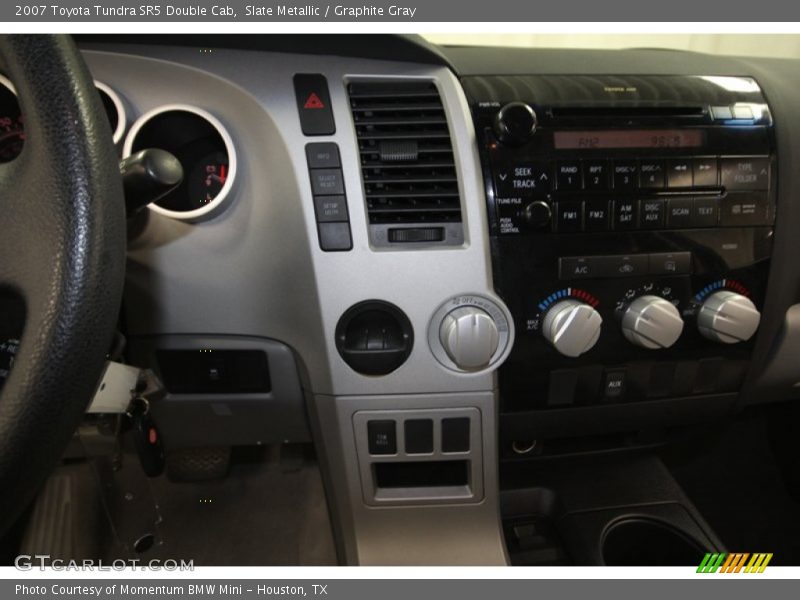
x=728, y=317
x=515, y=123
x=572, y=327
x=652, y=322
x=470, y=337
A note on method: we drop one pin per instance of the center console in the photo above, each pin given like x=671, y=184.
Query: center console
x=631, y=227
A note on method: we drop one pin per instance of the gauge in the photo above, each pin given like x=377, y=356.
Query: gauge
x=12, y=132
x=208, y=178
x=203, y=147
x=115, y=110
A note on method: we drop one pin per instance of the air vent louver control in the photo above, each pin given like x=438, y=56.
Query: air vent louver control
x=407, y=163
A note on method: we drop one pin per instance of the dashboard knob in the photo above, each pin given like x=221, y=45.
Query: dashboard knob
x=515, y=123
x=652, y=322
x=728, y=317
x=470, y=337
x=572, y=327
x=538, y=214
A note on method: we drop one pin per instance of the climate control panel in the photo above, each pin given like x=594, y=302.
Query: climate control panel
x=631, y=237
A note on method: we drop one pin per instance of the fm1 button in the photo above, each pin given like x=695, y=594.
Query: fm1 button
x=569, y=215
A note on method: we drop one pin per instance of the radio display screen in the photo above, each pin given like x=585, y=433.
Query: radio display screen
x=625, y=138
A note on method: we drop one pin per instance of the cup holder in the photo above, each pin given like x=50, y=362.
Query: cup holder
x=642, y=542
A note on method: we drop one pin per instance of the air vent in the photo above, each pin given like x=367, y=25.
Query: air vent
x=407, y=163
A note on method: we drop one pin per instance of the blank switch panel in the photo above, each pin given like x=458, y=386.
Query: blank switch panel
x=429, y=456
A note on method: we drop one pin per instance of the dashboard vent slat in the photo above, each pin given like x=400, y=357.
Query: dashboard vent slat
x=407, y=163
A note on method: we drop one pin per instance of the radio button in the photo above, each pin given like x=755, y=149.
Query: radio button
x=568, y=175
x=680, y=213
x=651, y=174
x=597, y=215
x=705, y=212
x=569, y=216
x=625, y=174
x=651, y=214
x=625, y=214
x=595, y=174
x=745, y=173
x=705, y=171
x=679, y=172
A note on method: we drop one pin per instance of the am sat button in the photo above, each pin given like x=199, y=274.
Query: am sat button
x=671, y=263
x=625, y=214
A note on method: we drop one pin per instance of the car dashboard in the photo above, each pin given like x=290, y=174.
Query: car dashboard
x=444, y=265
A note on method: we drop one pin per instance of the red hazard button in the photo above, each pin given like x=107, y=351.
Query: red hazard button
x=314, y=104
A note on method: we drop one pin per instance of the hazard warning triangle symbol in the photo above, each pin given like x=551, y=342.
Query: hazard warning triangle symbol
x=313, y=101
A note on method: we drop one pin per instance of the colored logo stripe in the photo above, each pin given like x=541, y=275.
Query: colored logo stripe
x=734, y=562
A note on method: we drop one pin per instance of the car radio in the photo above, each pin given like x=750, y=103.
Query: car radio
x=631, y=223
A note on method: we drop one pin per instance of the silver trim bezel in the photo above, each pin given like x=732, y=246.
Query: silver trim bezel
x=218, y=202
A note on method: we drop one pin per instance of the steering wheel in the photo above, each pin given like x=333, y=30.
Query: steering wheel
x=62, y=252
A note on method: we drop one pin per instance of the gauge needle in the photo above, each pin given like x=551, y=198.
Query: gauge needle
x=221, y=177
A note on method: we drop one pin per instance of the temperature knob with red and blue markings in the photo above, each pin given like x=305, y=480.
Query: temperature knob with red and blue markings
x=569, y=321
x=724, y=312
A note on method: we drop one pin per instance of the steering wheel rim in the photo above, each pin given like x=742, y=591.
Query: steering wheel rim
x=62, y=251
